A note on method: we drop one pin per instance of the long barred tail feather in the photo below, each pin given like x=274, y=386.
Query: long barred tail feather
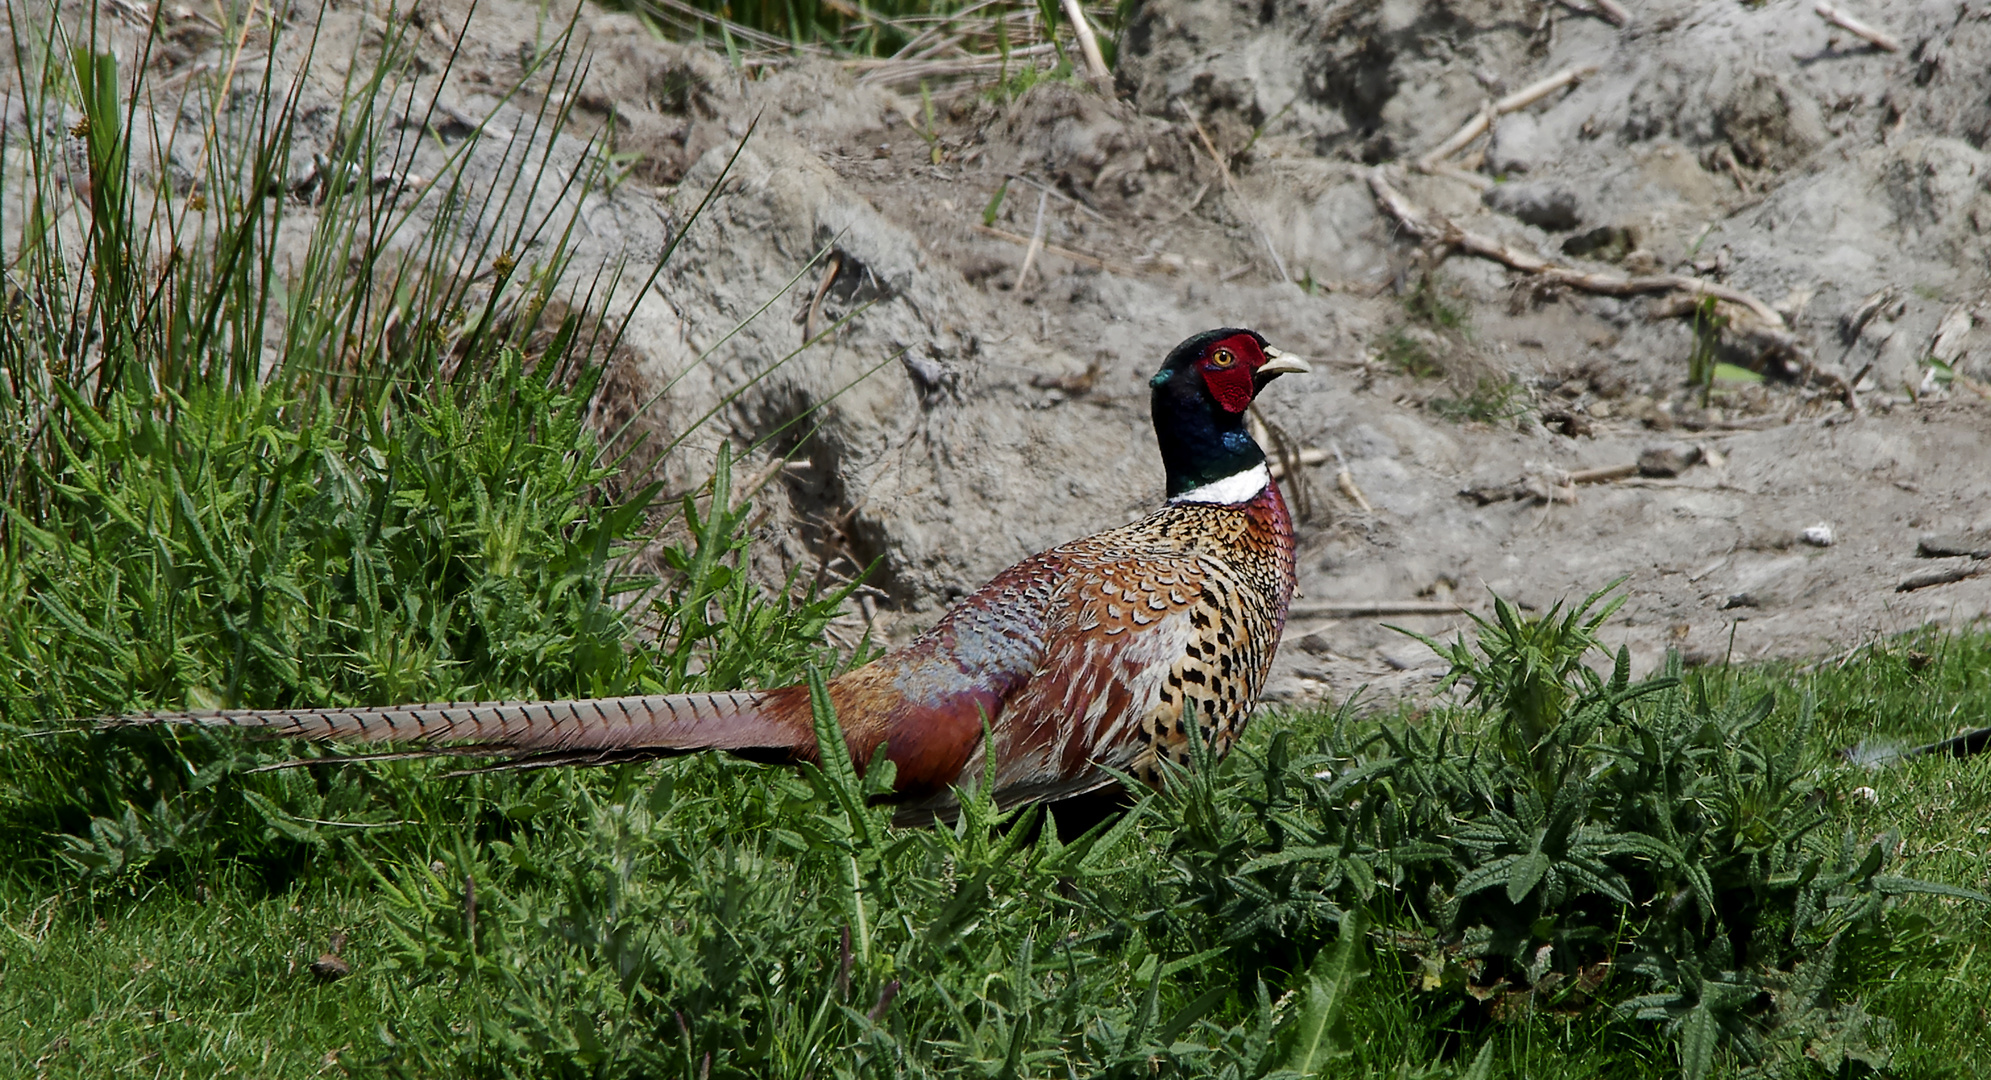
x=594, y=729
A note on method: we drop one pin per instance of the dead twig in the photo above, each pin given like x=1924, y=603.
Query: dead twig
x=1514, y=102
x=1609, y=10
x=1878, y=38
x=886, y=71
x=822, y=290
x=1079, y=257
x=1375, y=609
x=1764, y=325
x=1095, y=61
x=1450, y=171
x=1230, y=185
x=1847, y=389
x=760, y=479
x=1344, y=478
x=1473, y=129
x=1077, y=204
x=1308, y=456
x=1036, y=243
x=1603, y=475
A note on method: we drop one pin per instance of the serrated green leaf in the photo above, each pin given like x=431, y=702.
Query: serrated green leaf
x=1316, y=1032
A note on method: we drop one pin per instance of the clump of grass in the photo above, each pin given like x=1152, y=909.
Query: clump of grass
x=1706, y=353
x=1427, y=304
x=1404, y=352
x=1428, y=313
x=359, y=475
x=1491, y=400
x=1578, y=843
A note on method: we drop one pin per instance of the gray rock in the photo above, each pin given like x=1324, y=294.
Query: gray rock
x=1539, y=203
x=1768, y=123
x=1515, y=146
x=1947, y=545
x=1671, y=459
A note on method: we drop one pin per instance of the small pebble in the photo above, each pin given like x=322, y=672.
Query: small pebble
x=1671, y=459
x=329, y=967
x=1819, y=535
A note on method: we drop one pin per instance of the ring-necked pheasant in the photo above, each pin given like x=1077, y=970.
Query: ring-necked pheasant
x=1083, y=656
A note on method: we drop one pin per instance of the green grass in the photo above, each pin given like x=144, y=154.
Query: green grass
x=1407, y=354
x=1491, y=400
x=610, y=904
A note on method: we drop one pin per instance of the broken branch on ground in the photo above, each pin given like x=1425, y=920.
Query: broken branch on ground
x=1609, y=10
x=1514, y=102
x=1374, y=609
x=1878, y=38
x=1749, y=317
x=1079, y=257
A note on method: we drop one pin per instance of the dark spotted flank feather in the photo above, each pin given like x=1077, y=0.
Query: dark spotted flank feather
x=1096, y=656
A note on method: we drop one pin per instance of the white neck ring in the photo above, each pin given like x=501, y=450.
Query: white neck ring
x=1235, y=488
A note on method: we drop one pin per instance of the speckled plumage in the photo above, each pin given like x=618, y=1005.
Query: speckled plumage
x=1099, y=654
x=1099, y=644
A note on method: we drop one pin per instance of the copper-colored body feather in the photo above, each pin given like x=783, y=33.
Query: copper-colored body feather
x=1077, y=660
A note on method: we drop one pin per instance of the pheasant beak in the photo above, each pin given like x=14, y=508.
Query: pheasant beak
x=1282, y=363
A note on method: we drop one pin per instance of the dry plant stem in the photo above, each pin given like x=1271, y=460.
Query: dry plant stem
x=1059, y=195
x=1308, y=456
x=1473, y=129
x=739, y=30
x=1471, y=179
x=1604, y=475
x=1036, y=243
x=1614, y=11
x=1095, y=61
x=1440, y=231
x=1880, y=39
x=1345, y=480
x=1062, y=252
x=1230, y=185
x=822, y=290
x=886, y=72
x=1610, y=10
x=938, y=29
x=1519, y=99
x=221, y=100
x=761, y=478
x=873, y=64
x=1375, y=609
x=1254, y=425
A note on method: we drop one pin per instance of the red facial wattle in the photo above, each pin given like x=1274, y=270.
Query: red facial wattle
x=1228, y=369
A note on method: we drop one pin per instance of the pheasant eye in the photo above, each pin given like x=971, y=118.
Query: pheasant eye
x=1222, y=359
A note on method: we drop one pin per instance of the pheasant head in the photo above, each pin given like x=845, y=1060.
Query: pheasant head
x=1200, y=397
